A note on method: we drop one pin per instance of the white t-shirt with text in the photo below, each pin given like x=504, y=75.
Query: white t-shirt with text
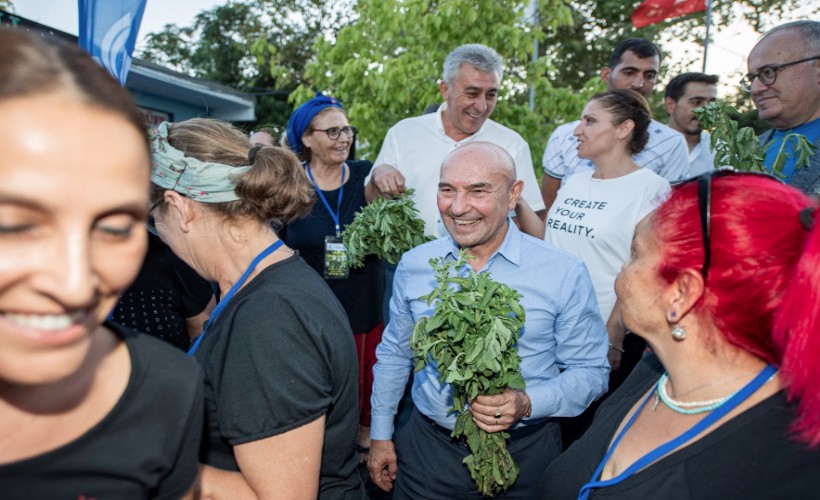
x=594, y=219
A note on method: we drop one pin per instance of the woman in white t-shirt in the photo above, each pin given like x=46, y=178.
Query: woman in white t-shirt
x=596, y=211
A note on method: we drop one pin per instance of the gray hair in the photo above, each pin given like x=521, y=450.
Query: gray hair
x=809, y=31
x=479, y=56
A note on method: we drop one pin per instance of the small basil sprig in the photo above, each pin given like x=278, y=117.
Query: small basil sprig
x=385, y=228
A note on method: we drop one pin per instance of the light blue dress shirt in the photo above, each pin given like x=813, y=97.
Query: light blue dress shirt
x=563, y=345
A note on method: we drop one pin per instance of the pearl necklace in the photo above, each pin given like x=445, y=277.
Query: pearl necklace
x=686, y=407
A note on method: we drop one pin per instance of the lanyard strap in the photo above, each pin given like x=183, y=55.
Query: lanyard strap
x=335, y=216
x=741, y=395
x=235, y=288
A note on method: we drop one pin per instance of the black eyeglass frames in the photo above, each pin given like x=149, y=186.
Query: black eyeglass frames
x=333, y=133
x=768, y=74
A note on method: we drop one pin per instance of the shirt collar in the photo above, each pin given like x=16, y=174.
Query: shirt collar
x=510, y=248
x=440, y=125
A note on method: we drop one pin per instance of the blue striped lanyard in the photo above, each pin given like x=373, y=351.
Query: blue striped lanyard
x=669, y=446
x=235, y=288
x=335, y=216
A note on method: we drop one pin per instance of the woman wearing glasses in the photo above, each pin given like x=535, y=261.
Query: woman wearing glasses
x=280, y=366
x=595, y=212
x=724, y=285
x=320, y=134
x=88, y=408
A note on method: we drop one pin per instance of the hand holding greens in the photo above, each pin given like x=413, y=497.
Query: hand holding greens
x=385, y=228
x=472, y=339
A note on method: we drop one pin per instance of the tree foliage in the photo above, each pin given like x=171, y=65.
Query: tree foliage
x=383, y=58
x=584, y=46
x=386, y=65
x=258, y=46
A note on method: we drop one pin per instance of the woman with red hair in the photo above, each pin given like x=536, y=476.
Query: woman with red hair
x=724, y=285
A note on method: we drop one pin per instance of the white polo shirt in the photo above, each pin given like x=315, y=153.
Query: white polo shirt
x=666, y=153
x=701, y=157
x=417, y=146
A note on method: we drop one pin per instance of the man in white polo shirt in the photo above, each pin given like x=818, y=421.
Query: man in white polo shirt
x=633, y=65
x=414, y=148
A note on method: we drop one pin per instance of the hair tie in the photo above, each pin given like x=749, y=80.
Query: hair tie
x=807, y=218
x=252, y=153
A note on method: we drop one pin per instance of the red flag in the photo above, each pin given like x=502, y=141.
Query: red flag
x=655, y=11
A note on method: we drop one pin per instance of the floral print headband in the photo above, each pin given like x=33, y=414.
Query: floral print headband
x=199, y=180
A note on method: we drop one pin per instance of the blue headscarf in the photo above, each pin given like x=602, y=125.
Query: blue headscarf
x=304, y=114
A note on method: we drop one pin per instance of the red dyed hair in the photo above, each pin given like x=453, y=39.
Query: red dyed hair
x=763, y=286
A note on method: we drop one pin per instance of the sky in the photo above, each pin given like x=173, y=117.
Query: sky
x=727, y=52
x=63, y=14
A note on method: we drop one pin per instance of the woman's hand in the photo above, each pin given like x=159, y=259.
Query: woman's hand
x=616, y=332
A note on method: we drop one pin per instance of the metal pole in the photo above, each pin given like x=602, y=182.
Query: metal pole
x=708, y=27
x=534, y=49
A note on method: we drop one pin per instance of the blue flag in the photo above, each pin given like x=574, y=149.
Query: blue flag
x=108, y=31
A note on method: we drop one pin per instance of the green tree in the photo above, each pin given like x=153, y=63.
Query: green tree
x=385, y=66
x=257, y=46
x=583, y=47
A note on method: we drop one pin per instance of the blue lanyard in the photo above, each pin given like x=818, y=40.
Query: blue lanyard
x=667, y=447
x=338, y=213
x=235, y=288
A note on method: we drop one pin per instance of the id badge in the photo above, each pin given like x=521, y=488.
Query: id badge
x=335, y=259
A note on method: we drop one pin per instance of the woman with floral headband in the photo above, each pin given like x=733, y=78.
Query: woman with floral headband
x=88, y=408
x=278, y=354
x=320, y=134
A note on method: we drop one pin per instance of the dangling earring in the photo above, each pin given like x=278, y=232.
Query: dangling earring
x=678, y=333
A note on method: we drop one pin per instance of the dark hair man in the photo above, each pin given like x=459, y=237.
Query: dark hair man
x=684, y=93
x=633, y=65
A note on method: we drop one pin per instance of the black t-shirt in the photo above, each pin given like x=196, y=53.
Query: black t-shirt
x=165, y=292
x=362, y=292
x=279, y=356
x=751, y=456
x=146, y=447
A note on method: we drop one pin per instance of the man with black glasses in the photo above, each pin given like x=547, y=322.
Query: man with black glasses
x=784, y=81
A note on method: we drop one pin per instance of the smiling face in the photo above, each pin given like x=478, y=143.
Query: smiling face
x=637, y=73
x=681, y=117
x=597, y=135
x=73, y=198
x=471, y=99
x=794, y=97
x=477, y=189
x=323, y=149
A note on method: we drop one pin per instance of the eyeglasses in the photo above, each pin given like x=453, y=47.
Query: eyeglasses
x=705, y=206
x=768, y=74
x=334, y=132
